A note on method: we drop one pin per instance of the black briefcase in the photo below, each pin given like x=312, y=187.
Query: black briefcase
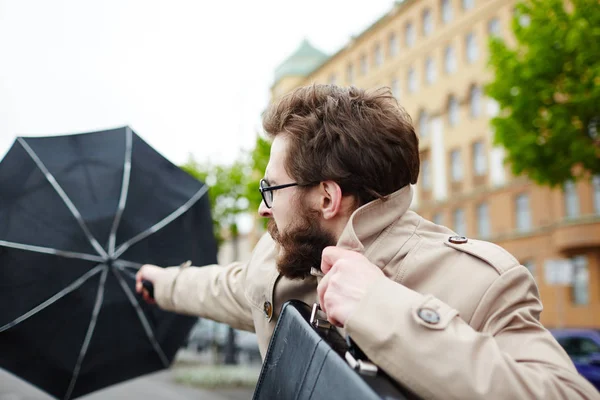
x=308, y=359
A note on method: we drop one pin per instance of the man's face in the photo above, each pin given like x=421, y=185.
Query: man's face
x=295, y=224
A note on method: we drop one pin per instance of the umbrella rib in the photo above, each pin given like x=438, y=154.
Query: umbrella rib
x=142, y=317
x=159, y=225
x=64, y=197
x=127, y=264
x=76, y=284
x=124, y=191
x=90, y=332
x=49, y=250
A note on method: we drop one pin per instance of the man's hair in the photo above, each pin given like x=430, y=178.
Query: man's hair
x=362, y=140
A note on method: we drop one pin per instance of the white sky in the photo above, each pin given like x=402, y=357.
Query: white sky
x=189, y=76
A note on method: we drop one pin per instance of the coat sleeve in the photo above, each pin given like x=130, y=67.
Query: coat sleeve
x=214, y=292
x=510, y=355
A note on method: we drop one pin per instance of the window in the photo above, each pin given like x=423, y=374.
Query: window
x=350, y=73
x=453, y=110
x=430, y=74
x=523, y=213
x=378, y=55
x=427, y=22
x=479, y=159
x=475, y=101
x=409, y=35
x=412, y=81
x=472, y=51
x=426, y=174
x=494, y=29
x=396, y=88
x=363, y=64
x=579, y=347
x=468, y=4
x=449, y=60
x=596, y=189
x=571, y=200
x=438, y=219
x=456, y=169
x=423, y=124
x=530, y=267
x=483, y=221
x=446, y=11
x=460, y=225
x=581, y=281
x=393, y=45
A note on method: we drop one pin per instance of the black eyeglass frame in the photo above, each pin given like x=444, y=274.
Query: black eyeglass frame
x=264, y=189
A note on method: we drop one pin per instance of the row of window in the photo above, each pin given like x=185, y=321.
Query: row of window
x=453, y=110
x=571, y=197
x=523, y=220
x=393, y=46
x=479, y=159
x=450, y=64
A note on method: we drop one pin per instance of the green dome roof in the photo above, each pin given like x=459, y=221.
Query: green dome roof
x=304, y=60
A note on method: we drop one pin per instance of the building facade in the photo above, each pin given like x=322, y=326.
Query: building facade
x=433, y=55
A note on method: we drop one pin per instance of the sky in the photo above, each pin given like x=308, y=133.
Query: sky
x=190, y=77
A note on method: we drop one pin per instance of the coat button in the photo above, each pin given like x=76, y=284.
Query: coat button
x=268, y=309
x=458, y=239
x=428, y=315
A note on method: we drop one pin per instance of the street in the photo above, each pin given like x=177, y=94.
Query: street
x=156, y=386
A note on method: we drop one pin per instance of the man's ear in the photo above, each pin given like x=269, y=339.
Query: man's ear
x=330, y=199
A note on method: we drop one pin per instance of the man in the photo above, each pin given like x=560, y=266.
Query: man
x=449, y=317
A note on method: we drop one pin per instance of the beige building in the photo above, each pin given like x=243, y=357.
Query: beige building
x=433, y=55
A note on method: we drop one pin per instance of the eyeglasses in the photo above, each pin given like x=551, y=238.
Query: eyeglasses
x=267, y=191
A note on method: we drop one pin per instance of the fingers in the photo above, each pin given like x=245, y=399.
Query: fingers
x=333, y=254
x=146, y=272
x=139, y=276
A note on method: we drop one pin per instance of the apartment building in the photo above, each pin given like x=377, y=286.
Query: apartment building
x=433, y=54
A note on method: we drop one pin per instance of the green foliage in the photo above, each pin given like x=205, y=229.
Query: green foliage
x=548, y=88
x=227, y=190
x=258, y=163
x=233, y=189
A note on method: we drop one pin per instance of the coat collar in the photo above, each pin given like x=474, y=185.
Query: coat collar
x=369, y=221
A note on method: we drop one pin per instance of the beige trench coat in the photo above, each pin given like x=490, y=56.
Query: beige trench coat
x=482, y=340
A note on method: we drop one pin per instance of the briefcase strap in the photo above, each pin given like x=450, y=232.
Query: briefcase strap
x=354, y=356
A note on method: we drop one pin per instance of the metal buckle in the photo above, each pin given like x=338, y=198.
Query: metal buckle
x=362, y=367
x=316, y=322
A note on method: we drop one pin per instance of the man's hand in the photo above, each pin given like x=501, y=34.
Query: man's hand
x=149, y=273
x=348, y=275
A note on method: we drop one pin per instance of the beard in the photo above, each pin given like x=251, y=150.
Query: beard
x=301, y=245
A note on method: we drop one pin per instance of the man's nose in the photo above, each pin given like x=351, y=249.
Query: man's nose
x=264, y=211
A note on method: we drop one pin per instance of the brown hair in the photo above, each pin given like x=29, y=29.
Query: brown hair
x=362, y=140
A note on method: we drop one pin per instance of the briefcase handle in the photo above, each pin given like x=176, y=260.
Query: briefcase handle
x=354, y=356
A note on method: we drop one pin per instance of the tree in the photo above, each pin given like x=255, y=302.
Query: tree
x=227, y=192
x=258, y=163
x=548, y=88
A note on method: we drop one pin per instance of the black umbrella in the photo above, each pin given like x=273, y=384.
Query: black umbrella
x=78, y=215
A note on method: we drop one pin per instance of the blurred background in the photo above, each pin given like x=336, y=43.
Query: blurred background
x=504, y=96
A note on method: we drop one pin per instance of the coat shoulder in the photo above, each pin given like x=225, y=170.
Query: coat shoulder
x=492, y=254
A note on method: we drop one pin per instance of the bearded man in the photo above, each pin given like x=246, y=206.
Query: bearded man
x=447, y=316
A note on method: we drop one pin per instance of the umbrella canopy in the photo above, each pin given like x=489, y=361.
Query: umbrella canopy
x=78, y=215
